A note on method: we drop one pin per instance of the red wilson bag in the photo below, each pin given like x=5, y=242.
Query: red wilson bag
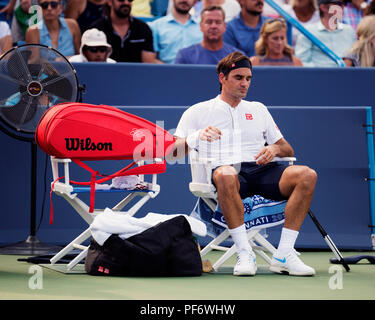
x=90, y=132
x=82, y=131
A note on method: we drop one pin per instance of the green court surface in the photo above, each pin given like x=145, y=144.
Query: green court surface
x=25, y=281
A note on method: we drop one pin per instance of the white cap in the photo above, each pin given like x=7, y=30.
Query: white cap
x=94, y=38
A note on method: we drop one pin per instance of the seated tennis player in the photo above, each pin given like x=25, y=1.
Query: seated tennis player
x=243, y=139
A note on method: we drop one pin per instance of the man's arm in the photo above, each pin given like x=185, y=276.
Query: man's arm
x=280, y=148
x=32, y=35
x=179, y=150
x=182, y=145
x=76, y=33
x=74, y=8
x=149, y=57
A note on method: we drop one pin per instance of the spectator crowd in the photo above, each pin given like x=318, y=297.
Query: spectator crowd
x=194, y=31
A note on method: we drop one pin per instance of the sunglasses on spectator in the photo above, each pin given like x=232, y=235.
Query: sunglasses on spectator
x=282, y=20
x=100, y=49
x=45, y=5
x=276, y=19
x=124, y=0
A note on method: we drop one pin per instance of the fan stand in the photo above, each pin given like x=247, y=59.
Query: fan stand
x=32, y=245
x=34, y=78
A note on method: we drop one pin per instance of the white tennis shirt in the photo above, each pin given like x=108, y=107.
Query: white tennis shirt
x=245, y=129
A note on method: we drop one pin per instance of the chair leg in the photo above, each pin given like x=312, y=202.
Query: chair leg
x=232, y=250
x=215, y=242
x=77, y=259
x=266, y=245
x=224, y=257
x=77, y=241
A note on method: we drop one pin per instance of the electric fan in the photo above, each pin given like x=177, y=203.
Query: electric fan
x=33, y=77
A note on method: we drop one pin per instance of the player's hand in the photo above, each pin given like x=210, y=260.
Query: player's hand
x=265, y=155
x=210, y=134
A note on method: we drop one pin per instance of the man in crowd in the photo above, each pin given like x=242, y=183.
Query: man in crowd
x=94, y=48
x=130, y=38
x=243, y=31
x=337, y=36
x=175, y=31
x=212, y=48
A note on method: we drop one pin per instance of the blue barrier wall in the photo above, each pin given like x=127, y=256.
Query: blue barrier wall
x=183, y=85
x=329, y=139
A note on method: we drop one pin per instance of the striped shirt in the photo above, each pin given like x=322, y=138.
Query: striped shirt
x=352, y=15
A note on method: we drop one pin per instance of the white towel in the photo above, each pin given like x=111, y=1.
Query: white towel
x=110, y=222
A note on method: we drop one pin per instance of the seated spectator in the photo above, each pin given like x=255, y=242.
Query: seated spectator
x=130, y=38
x=243, y=31
x=335, y=35
x=272, y=48
x=354, y=12
x=305, y=12
x=85, y=12
x=54, y=31
x=212, y=48
x=175, y=31
x=20, y=22
x=231, y=8
x=5, y=37
x=94, y=48
x=362, y=53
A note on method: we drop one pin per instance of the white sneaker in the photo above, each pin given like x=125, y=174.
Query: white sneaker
x=291, y=265
x=246, y=265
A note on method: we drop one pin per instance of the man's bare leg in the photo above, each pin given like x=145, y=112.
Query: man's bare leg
x=231, y=205
x=297, y=183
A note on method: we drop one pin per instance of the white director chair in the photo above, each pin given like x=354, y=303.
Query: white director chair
x=201, y=186
x=71, y=193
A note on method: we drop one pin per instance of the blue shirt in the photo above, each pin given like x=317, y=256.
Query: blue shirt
x=170, y=36
x=65, y=43
x=339, y=41
x=241, y=36
x=196, y=54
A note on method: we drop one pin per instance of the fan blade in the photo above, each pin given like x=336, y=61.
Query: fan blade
x=13, y=99
x=54, y=79
x=14, y=80
x=17, y=66
x=22, y=112
x=55, y=99
x=59, y=86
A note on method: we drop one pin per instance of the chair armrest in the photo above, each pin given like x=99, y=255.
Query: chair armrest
x=55, y=168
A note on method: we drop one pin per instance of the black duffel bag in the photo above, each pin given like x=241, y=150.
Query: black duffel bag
x=167, y=249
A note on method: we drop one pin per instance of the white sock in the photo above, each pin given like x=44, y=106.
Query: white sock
x=287, y=240
x=239, y=237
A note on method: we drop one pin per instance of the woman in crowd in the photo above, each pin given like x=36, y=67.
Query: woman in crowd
x=305, y=12
x=60, y=33
x=272, y=47
x=362, y=53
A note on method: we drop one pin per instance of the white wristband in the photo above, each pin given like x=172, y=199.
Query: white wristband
x=192, y=140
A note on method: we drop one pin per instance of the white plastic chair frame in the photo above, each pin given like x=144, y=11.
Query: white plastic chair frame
x=201, y=186
x=66, y=190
